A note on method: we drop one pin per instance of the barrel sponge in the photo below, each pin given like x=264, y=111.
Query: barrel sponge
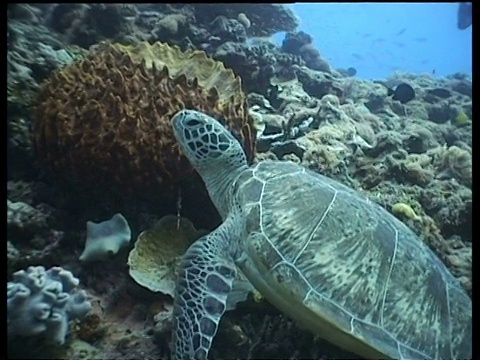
x=104, y=121
x=43, y=302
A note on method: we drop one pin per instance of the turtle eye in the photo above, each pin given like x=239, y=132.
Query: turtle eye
x=192, y=122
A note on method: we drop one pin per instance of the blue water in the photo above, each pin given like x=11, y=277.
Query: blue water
x=380, y=38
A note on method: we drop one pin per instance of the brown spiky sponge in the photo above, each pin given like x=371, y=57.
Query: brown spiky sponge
x=104, y=122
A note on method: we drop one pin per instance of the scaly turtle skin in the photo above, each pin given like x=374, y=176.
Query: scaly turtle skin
x=321, y=252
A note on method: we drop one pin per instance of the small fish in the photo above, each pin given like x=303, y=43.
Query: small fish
x=400, y=32
x=440, y=92
x=464, y=15
x=461, y=119
x=357, y=57
x=403, y=93
x=351, y=71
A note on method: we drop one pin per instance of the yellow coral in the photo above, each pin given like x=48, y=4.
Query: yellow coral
x=406, y=211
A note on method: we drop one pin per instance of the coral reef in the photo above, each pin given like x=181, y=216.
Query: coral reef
x=265, y=19
x=228, y=29
x=30, y=235
x=24, y=220
x=318, y=84
x=44, y=302
x=114, y=134
x=414, y=159
x=256, y=62
x=88, y=24
x=171, y=25
x=455, y=162
x=301, y=44
x=33, y=53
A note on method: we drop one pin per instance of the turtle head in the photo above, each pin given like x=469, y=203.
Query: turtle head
x=207, y=143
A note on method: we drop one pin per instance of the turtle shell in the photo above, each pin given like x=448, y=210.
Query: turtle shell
x=347, y=269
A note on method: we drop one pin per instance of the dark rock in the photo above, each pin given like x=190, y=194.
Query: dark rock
x=294, y=41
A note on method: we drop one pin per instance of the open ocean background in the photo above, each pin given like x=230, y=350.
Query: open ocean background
x=380, y=38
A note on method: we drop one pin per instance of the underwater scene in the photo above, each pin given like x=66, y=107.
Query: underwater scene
x=239, y=181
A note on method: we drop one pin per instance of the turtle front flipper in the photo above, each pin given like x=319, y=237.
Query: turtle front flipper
x=204, y=281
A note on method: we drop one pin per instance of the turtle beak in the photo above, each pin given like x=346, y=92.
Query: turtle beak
x=177, y=122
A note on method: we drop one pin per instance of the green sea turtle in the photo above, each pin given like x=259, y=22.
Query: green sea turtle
x=339, y=264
